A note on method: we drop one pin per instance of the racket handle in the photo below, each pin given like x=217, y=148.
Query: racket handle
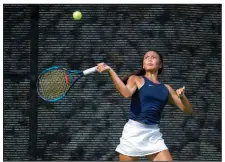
x=90, y=70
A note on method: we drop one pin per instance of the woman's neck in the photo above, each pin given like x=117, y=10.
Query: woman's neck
x=152, y=76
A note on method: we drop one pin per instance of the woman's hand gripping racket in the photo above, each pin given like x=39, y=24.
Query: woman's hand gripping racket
x=55, y=82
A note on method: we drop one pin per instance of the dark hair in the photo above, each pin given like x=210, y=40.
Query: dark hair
x=142, y=71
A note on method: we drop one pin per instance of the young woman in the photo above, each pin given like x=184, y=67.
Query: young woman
x=141, y=134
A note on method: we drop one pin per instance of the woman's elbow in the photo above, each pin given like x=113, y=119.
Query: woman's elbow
x=127, y=96
x=188, y=110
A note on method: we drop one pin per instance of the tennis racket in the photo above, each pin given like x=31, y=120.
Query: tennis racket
x=54, y=83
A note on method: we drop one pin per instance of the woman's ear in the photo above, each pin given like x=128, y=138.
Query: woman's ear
x=161, y=65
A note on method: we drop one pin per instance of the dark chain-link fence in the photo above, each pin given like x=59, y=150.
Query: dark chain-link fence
x=88, y=123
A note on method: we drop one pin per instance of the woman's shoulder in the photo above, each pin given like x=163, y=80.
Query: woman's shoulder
x=166, y=85
x=135, y=77
x=169, y=87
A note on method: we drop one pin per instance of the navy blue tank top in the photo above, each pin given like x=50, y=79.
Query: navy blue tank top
x=148, y=102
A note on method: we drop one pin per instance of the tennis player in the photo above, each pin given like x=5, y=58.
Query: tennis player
x=141, y=134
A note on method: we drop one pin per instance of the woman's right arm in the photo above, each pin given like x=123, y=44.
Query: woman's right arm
x=125, y=90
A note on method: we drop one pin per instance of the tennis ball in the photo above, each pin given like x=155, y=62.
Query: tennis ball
x=77, y=15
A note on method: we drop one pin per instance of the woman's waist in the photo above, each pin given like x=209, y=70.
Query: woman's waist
x=141, y=124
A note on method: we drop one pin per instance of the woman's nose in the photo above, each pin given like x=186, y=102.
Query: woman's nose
x=149, y=59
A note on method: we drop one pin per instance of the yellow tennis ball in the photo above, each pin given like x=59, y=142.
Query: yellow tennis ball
x=77, y=15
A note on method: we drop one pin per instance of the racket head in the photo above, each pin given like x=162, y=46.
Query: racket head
x=53, y=83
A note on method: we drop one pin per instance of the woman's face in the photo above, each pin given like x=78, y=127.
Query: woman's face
x=151, y=61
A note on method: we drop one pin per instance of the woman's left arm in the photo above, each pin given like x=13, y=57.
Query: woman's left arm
x=179, y=99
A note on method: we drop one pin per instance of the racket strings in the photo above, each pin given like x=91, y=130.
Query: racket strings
x=54, y=83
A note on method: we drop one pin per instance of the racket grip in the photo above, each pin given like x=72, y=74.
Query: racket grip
x=90, y=70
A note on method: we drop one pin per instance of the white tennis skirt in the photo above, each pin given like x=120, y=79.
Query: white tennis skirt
x=139, y=139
